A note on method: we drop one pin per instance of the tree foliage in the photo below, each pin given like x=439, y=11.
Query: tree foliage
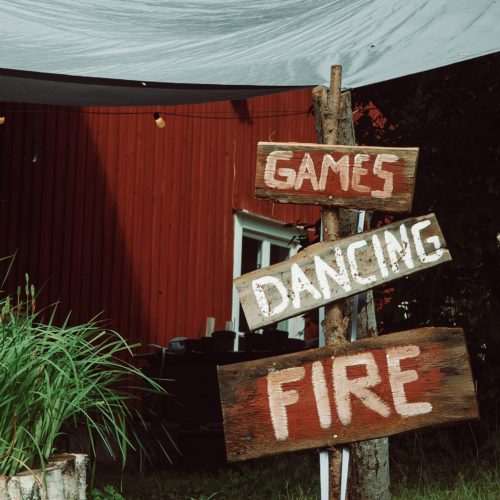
x=452, y=115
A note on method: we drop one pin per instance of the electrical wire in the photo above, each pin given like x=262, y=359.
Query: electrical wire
x=215, y=115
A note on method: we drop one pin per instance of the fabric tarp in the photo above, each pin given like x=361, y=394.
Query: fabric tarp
x=116, y=52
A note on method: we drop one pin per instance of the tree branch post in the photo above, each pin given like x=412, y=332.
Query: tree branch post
x=336, y=322
x=334, y=125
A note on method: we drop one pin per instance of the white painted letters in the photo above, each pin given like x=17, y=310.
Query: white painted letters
x=384, y=174
x=345, y=386
x=399, y=251
x=306, y=172
x=358, y=171
x=301, y=283
x=398, y=379
x=321, y=395
x=351, y=257
x=434, y=240
x=280, y=399
x=270, y=170
x=359, y=387
x=340, y=167
x=349, y=175
x=260, y=295
x=323, y=270
x=327, y=272
x=379, y=255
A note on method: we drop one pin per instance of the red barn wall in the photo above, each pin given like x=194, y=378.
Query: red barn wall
x=108, y=213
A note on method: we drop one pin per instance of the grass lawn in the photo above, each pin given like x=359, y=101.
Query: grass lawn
x=417, y=472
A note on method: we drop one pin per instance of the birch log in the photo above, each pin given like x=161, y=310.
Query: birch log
x=64, y=478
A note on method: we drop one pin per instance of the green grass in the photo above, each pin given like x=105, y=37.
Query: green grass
x=431, y=473
x=286, y=477
x=472, y=484
x=446, y=464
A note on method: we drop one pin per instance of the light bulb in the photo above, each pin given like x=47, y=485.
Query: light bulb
x=2, y=119
x=160, y=122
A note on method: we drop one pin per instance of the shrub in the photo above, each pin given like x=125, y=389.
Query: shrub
x=54, y=377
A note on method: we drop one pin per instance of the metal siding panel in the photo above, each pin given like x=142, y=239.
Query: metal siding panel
x=56, y=200
x=134, y=221
x=70, y=189
x=155, y=232
x=47, y=202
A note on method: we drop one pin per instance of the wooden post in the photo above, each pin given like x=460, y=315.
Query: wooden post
x=374, y=453
x=328, y=105
x=336, y=322
x=369, y=468
x=329, y=111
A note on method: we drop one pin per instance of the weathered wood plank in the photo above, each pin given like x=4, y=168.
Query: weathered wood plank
x=330, y=271
x=362, y=177
x=344, y=393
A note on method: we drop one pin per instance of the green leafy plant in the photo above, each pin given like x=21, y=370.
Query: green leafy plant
x=203, y=497
x=54, y=378
x=107, y=493
x=449, y=112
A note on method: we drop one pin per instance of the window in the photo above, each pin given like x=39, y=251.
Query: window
x=260, y=242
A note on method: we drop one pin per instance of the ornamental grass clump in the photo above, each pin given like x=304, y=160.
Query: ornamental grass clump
x=53, y=378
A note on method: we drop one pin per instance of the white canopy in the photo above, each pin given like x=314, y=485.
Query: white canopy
x=113, y=52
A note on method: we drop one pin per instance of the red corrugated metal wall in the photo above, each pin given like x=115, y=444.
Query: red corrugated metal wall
x=109, y=213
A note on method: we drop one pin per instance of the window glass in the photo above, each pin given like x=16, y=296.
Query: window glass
x=278, y=254
x=259, y=243
x=251, y=254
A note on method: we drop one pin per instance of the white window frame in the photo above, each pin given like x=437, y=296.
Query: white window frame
x=269, y=231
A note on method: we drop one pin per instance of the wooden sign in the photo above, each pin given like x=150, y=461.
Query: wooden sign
x=349, y=392
x=329, y=271
x=367, y=178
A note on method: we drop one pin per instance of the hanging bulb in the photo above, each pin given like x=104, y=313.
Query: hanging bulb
x=160, y=122
x=2, y=118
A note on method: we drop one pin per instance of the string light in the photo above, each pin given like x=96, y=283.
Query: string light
x=209, y=115
x=158, y=117
x=160, y=122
